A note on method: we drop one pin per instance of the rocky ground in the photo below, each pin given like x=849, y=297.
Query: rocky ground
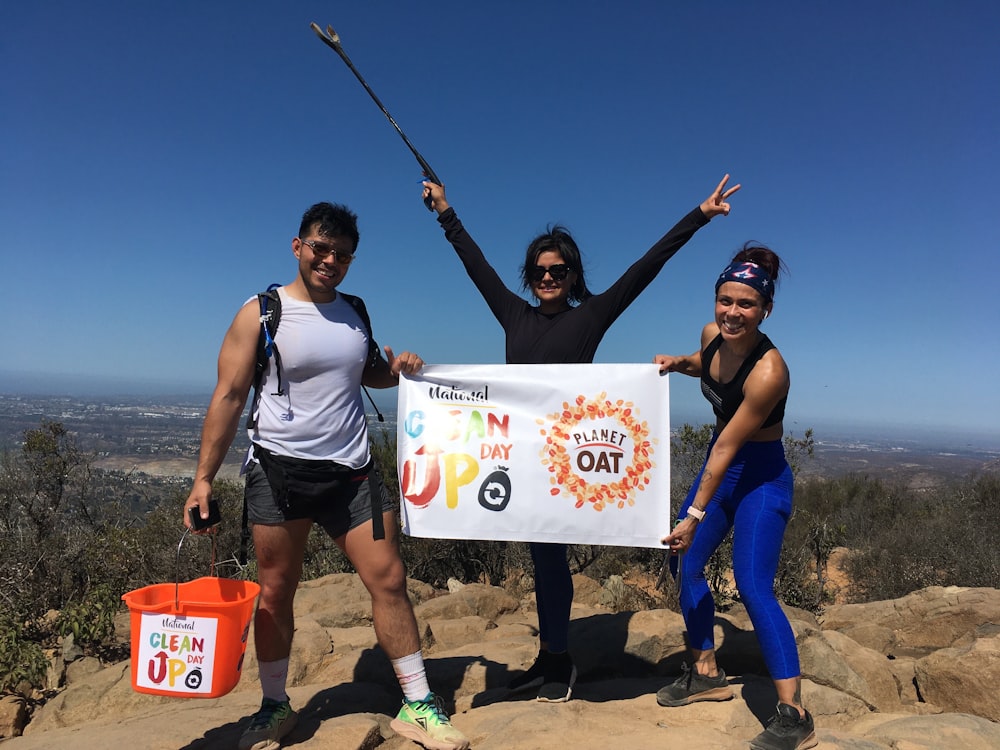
x=917, y=672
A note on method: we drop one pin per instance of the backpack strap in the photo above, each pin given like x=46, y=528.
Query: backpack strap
x=374, y=352
x=244, y=529
x=270, y=316
x=374, y=355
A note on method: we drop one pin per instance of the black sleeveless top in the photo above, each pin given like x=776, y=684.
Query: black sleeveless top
x=726, y=398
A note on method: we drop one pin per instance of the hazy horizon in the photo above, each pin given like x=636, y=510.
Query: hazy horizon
x=684, y=409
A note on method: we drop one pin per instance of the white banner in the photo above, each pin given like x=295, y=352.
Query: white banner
x=578, y=454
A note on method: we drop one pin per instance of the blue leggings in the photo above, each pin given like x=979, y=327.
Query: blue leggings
x=553, y=594
x=755, y=500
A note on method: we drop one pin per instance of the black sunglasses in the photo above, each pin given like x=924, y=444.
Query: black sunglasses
x=558, y=272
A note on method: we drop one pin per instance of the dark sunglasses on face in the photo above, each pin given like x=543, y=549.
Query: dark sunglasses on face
x=558, y=272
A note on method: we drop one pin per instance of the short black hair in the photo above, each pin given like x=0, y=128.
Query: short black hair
x=334, y=219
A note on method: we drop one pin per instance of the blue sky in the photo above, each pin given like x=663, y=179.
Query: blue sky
x=157, y=158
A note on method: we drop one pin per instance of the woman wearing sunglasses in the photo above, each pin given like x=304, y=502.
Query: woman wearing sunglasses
x=563, y=324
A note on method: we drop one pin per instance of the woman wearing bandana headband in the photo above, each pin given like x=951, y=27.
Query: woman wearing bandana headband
x=563, y=324
x=746, y=485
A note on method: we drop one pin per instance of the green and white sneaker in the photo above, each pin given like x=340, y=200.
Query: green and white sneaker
x=273, y=721
x=427, y=723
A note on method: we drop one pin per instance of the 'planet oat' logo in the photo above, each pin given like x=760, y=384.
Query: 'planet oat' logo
x=597, y=451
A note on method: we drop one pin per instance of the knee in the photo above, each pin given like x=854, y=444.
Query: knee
x=691, y=576
x=277, y=594
x=277, y=585
x=757, y=597
x=387, y=580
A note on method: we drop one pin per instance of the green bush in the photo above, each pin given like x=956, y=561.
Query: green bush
x=91, y=621
x=917, y=538
x=22, y=659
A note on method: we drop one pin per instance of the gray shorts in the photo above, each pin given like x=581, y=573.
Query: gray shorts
x=343, y=511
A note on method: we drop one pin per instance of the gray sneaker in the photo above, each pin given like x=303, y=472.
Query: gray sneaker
x=273, y=721
x=692, y=687
x=786, y=731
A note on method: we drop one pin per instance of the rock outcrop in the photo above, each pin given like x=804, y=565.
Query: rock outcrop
x=917, y=672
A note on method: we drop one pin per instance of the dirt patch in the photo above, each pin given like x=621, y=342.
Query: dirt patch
x=836, y=579
x=162, y=467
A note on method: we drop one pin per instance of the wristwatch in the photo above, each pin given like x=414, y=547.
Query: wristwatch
x=696, y=513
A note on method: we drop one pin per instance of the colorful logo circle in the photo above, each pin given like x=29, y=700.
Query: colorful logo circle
x=572, y=476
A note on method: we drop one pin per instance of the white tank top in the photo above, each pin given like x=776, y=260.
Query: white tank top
x=324, y=348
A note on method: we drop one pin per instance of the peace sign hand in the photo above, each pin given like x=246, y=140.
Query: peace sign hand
x=716, y=203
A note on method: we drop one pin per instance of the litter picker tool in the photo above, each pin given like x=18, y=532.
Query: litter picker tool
x=332, y=40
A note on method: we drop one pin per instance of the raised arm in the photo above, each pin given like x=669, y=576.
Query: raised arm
x=502, y=301
x=237, y=361
x=613, y=302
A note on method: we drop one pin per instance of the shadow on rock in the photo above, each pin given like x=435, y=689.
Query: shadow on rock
x=223, y=736
x=757, y=691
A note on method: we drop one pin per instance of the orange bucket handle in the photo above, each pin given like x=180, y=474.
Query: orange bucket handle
x=177, y=564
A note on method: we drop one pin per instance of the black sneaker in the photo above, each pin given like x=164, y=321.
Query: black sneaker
x=787, y=731
x=533, y=677
x=692, y=687
x=558, y=676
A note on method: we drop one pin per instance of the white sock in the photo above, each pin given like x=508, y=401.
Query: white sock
x=412, y=676
x=273, y=676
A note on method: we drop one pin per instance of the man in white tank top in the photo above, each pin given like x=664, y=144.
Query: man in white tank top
x=310, y=463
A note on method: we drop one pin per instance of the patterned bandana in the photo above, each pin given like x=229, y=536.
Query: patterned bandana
x=750, y=274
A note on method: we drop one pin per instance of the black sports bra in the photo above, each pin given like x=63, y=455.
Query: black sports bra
x=726, y=398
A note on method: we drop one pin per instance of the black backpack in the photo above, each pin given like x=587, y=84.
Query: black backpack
x=270, y=317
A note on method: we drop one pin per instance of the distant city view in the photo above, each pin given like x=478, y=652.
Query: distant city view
x=160, y=435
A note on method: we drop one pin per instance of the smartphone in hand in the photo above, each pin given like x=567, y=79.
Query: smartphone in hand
x=214, y=516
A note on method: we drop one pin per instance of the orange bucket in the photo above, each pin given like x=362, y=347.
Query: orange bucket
x=188, y=639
